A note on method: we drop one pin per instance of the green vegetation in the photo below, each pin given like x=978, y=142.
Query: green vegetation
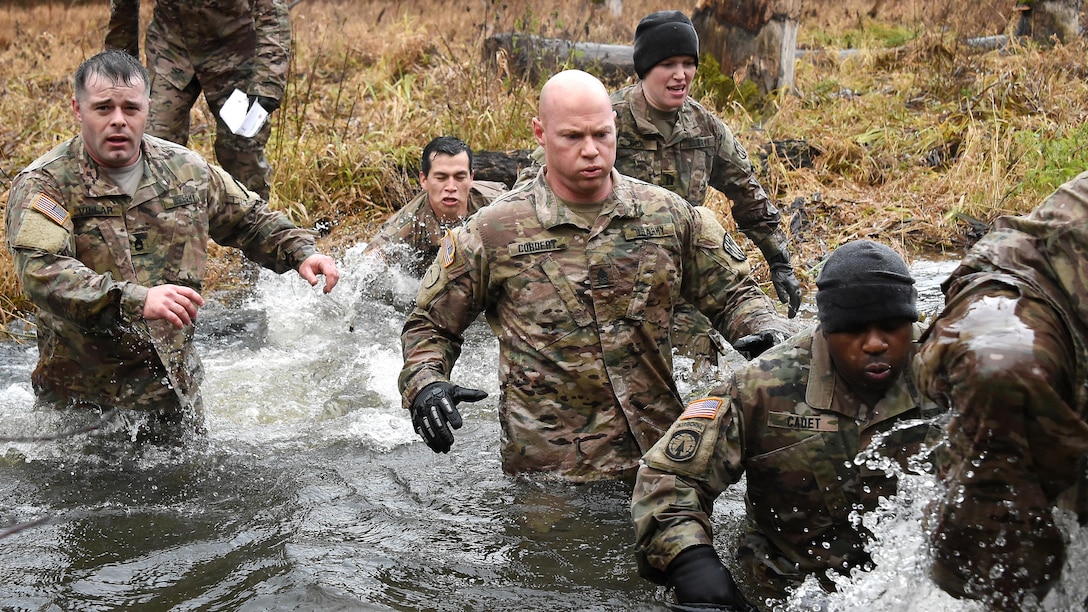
x=908, y=129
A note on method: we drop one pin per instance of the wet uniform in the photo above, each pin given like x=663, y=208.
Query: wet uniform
x=582, y=316
x=214, y=47
x=410, y=238
x=788, y=422
x=700, y=153
x=1008, y=355
x=87, y=253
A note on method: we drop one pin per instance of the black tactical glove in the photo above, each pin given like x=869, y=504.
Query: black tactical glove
x=434, y=411
x=268, y=104
x=701, y=582
x=752, y=345
x=786, y=285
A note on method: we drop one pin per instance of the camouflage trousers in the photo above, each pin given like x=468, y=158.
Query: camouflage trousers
x=1004, y=363
x=693, y=336
x=242, y=157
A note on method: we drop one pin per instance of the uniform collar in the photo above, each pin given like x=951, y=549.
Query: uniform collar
x=824, y=381
x=619, y=203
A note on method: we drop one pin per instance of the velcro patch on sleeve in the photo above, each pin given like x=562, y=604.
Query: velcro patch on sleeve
x=48, y=207
x=705, y=408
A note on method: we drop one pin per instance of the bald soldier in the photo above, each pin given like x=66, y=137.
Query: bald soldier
x=578, y=272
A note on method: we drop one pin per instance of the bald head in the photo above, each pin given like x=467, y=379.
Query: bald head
x=576, y=127
x=572, y=91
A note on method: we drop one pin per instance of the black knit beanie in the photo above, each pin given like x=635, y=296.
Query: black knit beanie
x=862, y=282
x=662, y=35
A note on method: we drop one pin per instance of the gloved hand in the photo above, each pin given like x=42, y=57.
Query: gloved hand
x=268, y=104
x=786, y=285
x=434, y=411
x=752, y=345
x=700, y=581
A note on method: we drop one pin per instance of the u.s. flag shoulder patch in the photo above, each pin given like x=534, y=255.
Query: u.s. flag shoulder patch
x=48, y=207
x=448, y=252
x=705, y=408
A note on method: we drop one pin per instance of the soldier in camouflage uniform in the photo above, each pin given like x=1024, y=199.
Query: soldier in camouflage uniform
x=214, y=47
x=665, y=137
x=793, y=420
x=578, y=272
x=1008, y=356
x=109, y=233
x=410, y=238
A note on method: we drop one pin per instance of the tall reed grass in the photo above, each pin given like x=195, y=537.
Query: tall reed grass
x=914, y=131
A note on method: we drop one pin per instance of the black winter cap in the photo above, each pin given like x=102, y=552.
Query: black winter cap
x=662, y=35
x=862, y=282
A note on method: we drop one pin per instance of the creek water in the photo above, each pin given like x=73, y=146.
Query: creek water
x=312, y=492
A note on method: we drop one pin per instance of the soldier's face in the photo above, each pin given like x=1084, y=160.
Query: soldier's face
x=447, y=185
x=668, y=83
x=112, y=117
x=871, y=357
x=579, y=143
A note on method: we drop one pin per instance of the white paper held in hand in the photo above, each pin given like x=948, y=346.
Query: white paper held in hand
x=240, y=119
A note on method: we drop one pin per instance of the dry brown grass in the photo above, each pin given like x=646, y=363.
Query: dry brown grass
x=915, y=129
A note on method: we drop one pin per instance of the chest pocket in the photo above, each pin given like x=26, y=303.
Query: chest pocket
x=544, y=305
x=802, y=482
x=695, y=163
x=101, y=239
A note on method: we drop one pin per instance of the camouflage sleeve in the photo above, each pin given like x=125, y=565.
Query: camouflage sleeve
x=679, y=480
x=717, y=282
x=451, y=295
x=240, y=218
x=273, y=22
x=733, y=175
x=123, y=31
x=42, y=246
x=394, y=242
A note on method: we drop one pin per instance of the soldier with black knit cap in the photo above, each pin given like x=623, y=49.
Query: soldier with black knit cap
x=666, y=138
x=793, y=420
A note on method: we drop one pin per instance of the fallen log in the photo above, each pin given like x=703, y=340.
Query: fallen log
x=525, y=55
x=500, y=166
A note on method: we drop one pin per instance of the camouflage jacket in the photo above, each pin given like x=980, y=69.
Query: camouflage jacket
x=1043, y=254
x=788, y=422
x=702, y=152
x=410, y=238
x=582, y=316
x=87, y=253
x=226, y=44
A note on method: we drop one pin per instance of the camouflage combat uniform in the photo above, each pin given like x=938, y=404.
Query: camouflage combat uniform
x=582, y=316
x=701, y=153
x=215, y=47
x=1008, y=355
x=87, y=253
x=410, y=238
x=788, y=422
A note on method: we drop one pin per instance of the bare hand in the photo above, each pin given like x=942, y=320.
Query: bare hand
x=176, y=304
x=323, y=265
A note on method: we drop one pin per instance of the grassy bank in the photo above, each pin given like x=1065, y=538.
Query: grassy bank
x=913, y=132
